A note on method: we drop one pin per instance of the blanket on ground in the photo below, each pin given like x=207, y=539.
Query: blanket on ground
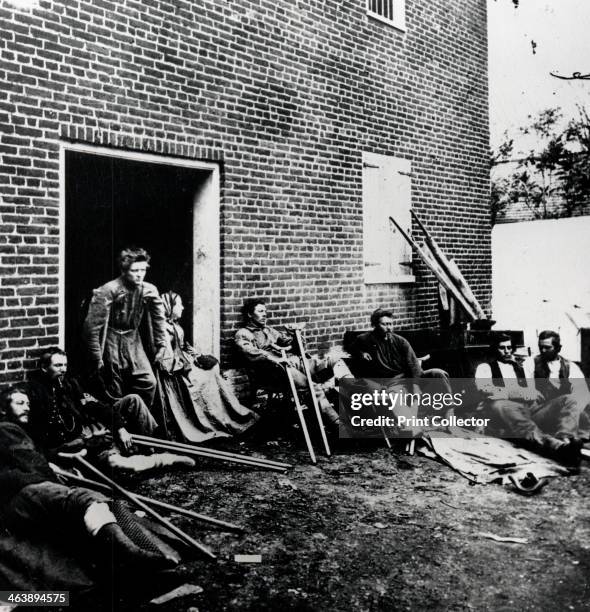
x=483, y=459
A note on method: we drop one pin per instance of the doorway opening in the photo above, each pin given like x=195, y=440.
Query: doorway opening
x=170, y=207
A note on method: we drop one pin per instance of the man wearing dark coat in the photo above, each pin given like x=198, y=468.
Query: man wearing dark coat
x=33, y=503
x=62, y=414
x=382, y=354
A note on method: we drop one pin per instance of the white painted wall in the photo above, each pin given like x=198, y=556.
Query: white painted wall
x=540, y=273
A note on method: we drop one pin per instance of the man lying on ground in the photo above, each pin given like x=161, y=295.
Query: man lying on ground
x=33, y=502
x=549, y=414
x=63, y=416
x=262, y=346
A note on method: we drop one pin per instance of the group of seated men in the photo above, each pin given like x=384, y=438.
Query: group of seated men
x=64, y=418
x=34, y=503
x=47, y=420
x=537, y=401
x=542, y=402
x=379, y=354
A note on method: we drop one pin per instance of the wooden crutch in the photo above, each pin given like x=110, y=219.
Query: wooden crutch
x=79, y=457
x=93, y=484
x=452, y=269
x=382, y=428
x=299, y=408
x=212, y=452
x=201, y=452
x=441, y=275
x=387, y=442
x=310, y=384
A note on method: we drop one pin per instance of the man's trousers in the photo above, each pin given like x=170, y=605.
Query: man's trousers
x=547, y=424
x=50, y=507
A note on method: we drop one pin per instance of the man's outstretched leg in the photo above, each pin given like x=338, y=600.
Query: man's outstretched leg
x=520, y=424
x=71, y=511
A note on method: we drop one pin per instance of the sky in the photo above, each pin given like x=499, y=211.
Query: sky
x=520, y=83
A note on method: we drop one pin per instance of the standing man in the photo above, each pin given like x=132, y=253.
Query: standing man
x=111, y=329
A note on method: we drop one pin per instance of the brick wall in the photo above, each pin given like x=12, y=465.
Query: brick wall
x=286, y=95
x=554, y=209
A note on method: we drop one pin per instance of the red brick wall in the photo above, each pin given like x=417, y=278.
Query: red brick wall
x=287, y=95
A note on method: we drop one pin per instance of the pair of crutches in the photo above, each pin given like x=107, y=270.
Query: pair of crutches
x=142, y=503
x=314, y=399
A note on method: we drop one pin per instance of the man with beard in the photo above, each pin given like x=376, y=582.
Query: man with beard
x=386, y=362
x=382, y=354
x=116, y=352
x=544, y=414
x=61, y=410
x=33, y=503
x=64, y=418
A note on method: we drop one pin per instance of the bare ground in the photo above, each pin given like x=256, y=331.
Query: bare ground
x=369, y=529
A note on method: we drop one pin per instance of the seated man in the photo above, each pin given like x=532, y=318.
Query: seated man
x=63, y=416
x=543, y=413
x=261, y=346
x=564, y=389
x=32, y=501
x=381, y=354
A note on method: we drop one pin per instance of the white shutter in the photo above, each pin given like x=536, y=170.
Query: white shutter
x=386, y=192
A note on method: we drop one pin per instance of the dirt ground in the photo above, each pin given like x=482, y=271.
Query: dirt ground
x=370, y=529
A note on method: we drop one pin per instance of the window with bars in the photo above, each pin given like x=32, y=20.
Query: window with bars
x=392, y=12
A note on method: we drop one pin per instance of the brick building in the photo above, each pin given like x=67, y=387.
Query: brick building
x=253, y=146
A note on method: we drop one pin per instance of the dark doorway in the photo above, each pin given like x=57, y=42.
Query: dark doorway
x=113, y=202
